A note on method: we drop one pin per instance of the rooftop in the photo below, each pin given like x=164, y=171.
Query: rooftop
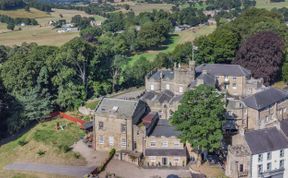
x=265, y=98
x=164, y=74
x=265, y=140
x=163, y=128
x=165, y=152
x=224, y=70
x=121, y=107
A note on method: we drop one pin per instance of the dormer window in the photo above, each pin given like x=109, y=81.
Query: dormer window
x=115, y=108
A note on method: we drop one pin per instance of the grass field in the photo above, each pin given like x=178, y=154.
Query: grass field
x=145, y=7
x=42, y=34
x=188, y=35
x=268, y=5
x=43, y=137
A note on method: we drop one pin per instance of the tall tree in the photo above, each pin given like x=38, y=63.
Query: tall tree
x=200, y=126
x=263, y=54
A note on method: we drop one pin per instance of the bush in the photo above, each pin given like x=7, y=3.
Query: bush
x=77, y=155
x=22, y=142
x=41, y=152
x=112, y=152
x=65, y=148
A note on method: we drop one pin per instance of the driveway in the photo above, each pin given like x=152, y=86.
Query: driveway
x=127, y=170
x=76, y=171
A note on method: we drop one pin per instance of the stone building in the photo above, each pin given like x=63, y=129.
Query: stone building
x=259, y=110
x=114, y=124
x=233, y=79
x=259, y=153
x=163, y=147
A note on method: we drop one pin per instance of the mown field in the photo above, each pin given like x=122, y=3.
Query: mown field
x=188, y=35
x=43, y=137
x=268, y=5
x=43, y=34
x=145, y=7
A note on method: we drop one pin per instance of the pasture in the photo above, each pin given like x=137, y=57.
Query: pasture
x=42, y=34
x=145, y=7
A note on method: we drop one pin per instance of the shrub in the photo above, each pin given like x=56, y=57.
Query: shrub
x=77, y=155
x=22, y=142
x=112, y=152
x=65, y=148
x=41, y=152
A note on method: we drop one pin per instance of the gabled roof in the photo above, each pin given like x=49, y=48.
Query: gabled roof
x=163, y=128
x=208, y=79
x=265, y=140
x=164, y=74
x=265, y=98
x=223, y=70
x=121, y=107
x=165, y=96
x=284, y=126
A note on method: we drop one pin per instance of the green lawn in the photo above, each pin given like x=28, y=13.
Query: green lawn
x=268, y=5
x=92, y=104
x=46, y=138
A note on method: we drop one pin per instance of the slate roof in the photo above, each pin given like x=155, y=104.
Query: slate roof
x=149, y=95
x=126, y=108
x=166, y=75
x=265, y=140
x=208, y=79
x=165, y=152
x=284, y=126
x=223, y=70
x=163, y=128
x=265, y=98
x=165, y=96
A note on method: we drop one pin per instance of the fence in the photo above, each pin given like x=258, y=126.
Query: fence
x=68, y=117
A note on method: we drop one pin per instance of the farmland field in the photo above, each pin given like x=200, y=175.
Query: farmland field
x=43, y=34
x=268, y=5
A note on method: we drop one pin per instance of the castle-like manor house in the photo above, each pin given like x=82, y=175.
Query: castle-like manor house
x=140, y=129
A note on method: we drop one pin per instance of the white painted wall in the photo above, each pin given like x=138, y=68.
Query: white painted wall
x=275, y=162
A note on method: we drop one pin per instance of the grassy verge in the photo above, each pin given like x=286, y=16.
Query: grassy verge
x=45, y=138
x=92, y=104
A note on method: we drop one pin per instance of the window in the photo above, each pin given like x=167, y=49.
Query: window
x=267, y=118
x=123, y=128
x=234, y=85
x=115, y=108
x=176, y=144
x=111, y=141
x=152, y=158
x=226, y=78
x=176, y=160
x=268, y=156
x=180, y=89
x=281, y=164
x=241, y=169
x=268, y=166
x=101, y=125
x=165, y=144
x=167, y=87
x=234, y=78
x=101, y=139
x=260, y=158
x=153, y=143
x=281, y=153
x=152, y=87
x=123, y=142
x=260, y=168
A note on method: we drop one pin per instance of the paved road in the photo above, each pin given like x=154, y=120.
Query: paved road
x=77, y=171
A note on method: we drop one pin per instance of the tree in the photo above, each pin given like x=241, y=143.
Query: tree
x=263, y=54
x=118, y=62
x=10, y=26
x=199, y=126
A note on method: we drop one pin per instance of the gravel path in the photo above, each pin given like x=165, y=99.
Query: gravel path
x=77, y=171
